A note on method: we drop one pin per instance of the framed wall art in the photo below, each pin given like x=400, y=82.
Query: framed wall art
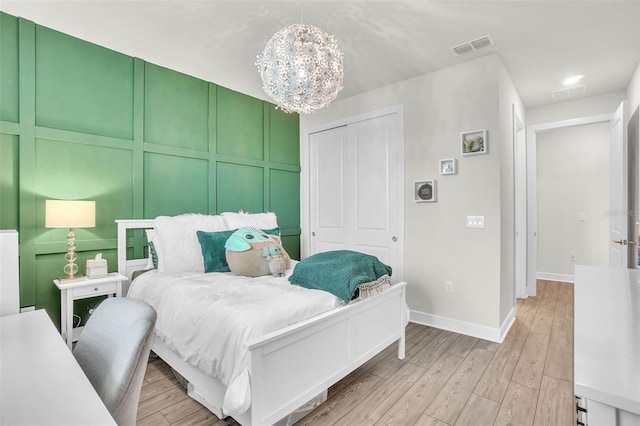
x=448, y=166
x=474, y=142
x=425, y=191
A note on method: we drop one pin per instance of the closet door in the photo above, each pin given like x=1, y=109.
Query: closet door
x=327, y=197
x=355, y=195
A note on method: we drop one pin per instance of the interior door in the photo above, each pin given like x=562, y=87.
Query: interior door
x=327, y=150
x=355, y=195
x=619, y=187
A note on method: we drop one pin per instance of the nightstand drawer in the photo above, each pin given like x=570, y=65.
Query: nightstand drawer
x=94, y=289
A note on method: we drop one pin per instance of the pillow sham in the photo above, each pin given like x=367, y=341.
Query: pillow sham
x=178, y=246
x=213, y=249
x=339, y=272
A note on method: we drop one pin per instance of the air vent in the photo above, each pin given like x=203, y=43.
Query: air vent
x=569, y=92
x=472, y=45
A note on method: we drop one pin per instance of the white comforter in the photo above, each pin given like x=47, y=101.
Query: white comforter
x=208, y=319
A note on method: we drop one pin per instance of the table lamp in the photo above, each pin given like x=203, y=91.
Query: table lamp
x=70, y=214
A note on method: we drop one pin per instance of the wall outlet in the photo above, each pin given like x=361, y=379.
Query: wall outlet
x=582, y=217
x=448, y=286
x=572, y=256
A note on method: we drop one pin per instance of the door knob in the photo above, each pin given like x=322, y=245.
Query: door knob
x=313, y=234
x=394, y=239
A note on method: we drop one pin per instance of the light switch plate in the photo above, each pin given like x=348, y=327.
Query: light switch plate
x=475, y=221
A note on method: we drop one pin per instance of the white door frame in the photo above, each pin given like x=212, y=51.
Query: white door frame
x=532, y=195
x=398, y=110
x=520, y=184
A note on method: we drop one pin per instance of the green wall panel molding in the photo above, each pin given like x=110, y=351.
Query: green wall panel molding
x=176, y=108
x=239, y=125
x=9, y=182
x=70, y=171
x=240, y=187
x=9, y=73
x=82, y=87
x=88, y=123
x=174, y=185
x=283, y=128
x=285, y=198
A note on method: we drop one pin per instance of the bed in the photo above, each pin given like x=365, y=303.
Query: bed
x=288, y=367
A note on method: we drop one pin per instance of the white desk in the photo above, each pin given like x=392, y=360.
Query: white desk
x=41, y=382
x=607, y=344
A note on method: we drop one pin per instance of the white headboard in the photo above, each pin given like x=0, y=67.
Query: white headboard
x=128, y=267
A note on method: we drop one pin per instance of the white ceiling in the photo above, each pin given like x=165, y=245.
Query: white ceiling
x=540, y=42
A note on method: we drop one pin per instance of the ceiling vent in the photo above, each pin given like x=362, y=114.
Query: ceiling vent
x=569, y=92
x=472, y=45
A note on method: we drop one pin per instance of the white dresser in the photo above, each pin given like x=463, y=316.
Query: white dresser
x=607, y=346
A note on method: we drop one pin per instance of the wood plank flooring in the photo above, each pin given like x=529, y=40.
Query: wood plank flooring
x=446, y=379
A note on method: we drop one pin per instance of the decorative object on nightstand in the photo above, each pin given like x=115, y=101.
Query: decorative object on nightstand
x=71, y=290
x=70, y=214
x=96, y=268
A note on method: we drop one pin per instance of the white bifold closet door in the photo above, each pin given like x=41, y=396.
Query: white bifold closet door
x=355, y=190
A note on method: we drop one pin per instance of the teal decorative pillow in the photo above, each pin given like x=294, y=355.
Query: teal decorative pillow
x=213, y=250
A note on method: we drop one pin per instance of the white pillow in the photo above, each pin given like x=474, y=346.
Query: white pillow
x=255, y=220
x=179, y=246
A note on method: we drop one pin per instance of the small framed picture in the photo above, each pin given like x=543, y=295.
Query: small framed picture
x=425, y=191
x=474, y=142
x=448, y=166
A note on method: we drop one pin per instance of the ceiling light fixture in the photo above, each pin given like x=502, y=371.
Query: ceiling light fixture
x=301, y=68
x=572, y=80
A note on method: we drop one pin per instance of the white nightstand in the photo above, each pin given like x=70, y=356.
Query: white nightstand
x=83, y=288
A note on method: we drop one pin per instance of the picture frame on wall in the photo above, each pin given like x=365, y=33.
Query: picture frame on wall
x=425, y=191
x=474, y=142
x=448, y=166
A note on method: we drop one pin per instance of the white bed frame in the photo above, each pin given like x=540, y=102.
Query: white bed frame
x=291, y=366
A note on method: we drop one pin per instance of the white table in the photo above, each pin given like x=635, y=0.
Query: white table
x=41, y=382
x=607, y=344
x=83, y=288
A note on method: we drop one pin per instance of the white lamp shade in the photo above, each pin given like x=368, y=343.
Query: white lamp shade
x=70, y=214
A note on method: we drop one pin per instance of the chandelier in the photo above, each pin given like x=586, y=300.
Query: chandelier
x=301, y=68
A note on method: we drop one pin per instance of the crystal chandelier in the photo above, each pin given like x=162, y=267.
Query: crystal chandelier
x=301, y=68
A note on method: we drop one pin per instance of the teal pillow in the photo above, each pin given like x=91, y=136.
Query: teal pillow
x=154, y=254
x=213, y=251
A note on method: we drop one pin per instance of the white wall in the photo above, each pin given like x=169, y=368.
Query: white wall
x=438, y=246
x=509, y=101
x=581, y=107
x=633, y=91
x=573, y=178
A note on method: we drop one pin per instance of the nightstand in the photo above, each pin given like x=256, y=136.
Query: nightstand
x=83, y=288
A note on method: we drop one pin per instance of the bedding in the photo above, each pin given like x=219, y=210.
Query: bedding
x=339, y=272
x=209, y=318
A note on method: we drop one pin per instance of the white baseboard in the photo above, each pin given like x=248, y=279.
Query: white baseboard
x=470, y=329
x=554, y=277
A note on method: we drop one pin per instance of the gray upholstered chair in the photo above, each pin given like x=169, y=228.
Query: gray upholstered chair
x=113, y=351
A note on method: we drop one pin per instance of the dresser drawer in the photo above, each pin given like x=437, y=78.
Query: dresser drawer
x=94, y=290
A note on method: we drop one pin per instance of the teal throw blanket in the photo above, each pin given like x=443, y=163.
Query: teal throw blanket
x=338, y=272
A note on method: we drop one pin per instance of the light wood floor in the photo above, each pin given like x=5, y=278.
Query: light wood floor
x=445, y=379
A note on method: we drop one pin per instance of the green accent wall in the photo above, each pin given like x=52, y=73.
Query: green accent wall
x=79, y=121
